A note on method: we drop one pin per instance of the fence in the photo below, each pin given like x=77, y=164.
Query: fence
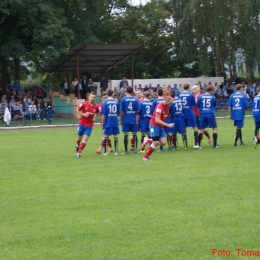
x=64, y=115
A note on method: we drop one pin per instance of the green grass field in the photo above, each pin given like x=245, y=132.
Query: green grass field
x=179, y=206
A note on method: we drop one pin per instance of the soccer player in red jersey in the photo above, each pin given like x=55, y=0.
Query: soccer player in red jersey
x=88, y=112
x=98, y=151
x=156, y=125
x=196, y=93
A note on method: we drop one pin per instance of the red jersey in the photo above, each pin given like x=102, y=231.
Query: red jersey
x=100, y=107
x=140, y=100
x=162, y=111
x=85, y=107
x=195, y=109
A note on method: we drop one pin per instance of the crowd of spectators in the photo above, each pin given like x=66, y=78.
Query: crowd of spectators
x=222, y=91
x=27, y=102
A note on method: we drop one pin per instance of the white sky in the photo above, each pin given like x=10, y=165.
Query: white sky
x=137, y=2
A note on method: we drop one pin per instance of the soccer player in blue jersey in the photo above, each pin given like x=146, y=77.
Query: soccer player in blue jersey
x=155, y=103
x=206, y=105
x=159, y=99
x=109, y=121
x=177, y=118
x=144, y=117
x=237, y=103
x=256, y=116
x=129, y=108
x=188, y=102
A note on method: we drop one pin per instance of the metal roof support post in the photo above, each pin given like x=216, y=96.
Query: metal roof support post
x=54, y=80
x=132, y=58
x=77, y=60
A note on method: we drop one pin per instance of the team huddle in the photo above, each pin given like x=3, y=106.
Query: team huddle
x=160, y=121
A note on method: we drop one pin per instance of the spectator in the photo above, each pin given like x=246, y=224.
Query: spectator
x=92, y=87
x=26, y=104
x=123, y=89
x=74, y=86
x=12, y=102
x=175, y=89
x=65, y=86
x=38, y=92
x=44, y=111
x=32, y=111
x=84, y=84
x=39, y=111
x=50, y=92
x=16, y=85
x=104, y=84
x=34, y=99
x=62, y=91
x=115, y=91
x=28, y=90
x=123, y=81
x=21, y=92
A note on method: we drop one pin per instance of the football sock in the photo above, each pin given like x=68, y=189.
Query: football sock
x=200, y=138
x=101, y=144
x=196, y=137
x=240, y=137
x=215, y=137
x=206, y=133
x=256, y=131
x=149, y=151
x=150, y=141
x=237, y=134
x=169, y=140
x=161, y=148
x=126, y=142
x=174, y=140
x=132, y=142
x=142, y=138
x=109, y=143
x=135, y=141
x=82, y=146
x=105, y=144
x=116, y=144
x=184, y=139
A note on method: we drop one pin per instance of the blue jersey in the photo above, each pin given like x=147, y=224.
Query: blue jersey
x=156, y=102
x=145, y=109
x=206, y=104
x=238, y=103
x=110, y=109
x=176, y=108
x=130, y=107
x=188, y=102
x=256, y=108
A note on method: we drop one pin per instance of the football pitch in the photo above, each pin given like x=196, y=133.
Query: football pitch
x=185, y=204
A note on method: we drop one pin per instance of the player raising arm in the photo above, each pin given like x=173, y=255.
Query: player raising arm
x=88, y=112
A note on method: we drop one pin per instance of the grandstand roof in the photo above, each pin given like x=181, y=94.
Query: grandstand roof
x=94, y=57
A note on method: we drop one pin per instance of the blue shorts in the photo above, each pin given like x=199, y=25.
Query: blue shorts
x=179, y=125
x=190, y=122
x=197, y=121
x=144, y=124
x=84, y=130
x=129, y=128
x=257, y=124
x=166, y=128
x=208, y=120
x=155, y=131
x=111, y=131
x=239, y=123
